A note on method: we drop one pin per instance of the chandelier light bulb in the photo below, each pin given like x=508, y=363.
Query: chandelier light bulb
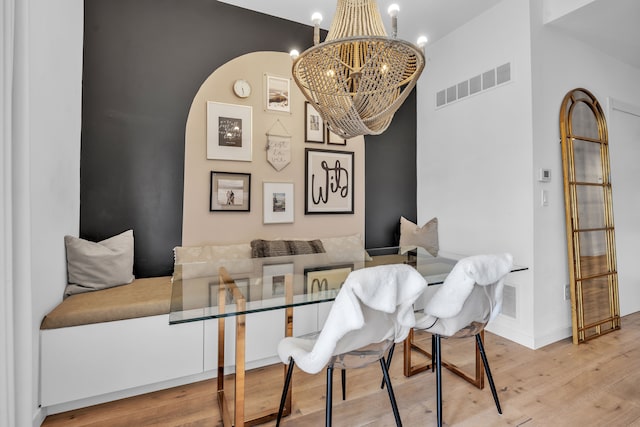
x=422, y=41
x=393, y=12
x=294, y=53
x=316, y=18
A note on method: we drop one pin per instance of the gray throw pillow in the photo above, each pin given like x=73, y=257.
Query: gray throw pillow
x=269, y=248
x=99, y=265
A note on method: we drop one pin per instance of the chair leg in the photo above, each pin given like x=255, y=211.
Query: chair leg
x=485, y=362
x=433, y=352
x=287, y=382
x=344, y=384
x=392, y=397
x=389, y=356
x=438, y=363
x=327, y=416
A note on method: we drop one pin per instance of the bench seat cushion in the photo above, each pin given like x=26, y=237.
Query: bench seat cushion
x=142, y=297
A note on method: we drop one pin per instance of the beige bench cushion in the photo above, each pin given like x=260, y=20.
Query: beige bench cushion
x=142, y=297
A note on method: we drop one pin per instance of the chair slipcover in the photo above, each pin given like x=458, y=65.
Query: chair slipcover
x=375, y=304
x=459, y=303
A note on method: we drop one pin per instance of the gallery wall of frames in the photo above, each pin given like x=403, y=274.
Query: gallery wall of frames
x=261, y=163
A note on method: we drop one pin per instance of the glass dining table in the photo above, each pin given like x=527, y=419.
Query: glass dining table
x=239, y=288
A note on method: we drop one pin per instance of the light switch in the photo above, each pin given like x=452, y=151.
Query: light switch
x=544, y=200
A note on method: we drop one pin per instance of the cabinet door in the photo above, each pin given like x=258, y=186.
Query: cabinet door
x=263, y=333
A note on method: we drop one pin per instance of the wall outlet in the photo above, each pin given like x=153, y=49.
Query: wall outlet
x=567, y=292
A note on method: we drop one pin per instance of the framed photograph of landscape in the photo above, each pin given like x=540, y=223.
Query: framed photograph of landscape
x=328, y=182
x=230, y=191
x=313, y=124
x=228, y=131
x=278, y=94
x=277, y=202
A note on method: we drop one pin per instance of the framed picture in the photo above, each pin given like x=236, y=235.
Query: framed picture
x=278, y=202
x=244, y=285
x=230, y=191
x=273, y=279
x=278, y=92
x=325, y=278
x=334, y=139
x=228, y=131
x=328, y=182
x=313, y=124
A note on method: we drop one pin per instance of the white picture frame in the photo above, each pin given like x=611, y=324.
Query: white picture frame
x=273, y=276
x=277, y=94
x=278, y=202
x=229, y=130
x=313, y=124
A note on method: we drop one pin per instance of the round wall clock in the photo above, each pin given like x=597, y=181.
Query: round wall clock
x=242, y=88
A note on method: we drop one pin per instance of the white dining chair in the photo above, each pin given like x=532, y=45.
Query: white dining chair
x=373, y=309
x=469, y=298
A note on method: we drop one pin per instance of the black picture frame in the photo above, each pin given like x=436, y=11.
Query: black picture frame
x=230, y=192
x=326, y=277
x=328, y=182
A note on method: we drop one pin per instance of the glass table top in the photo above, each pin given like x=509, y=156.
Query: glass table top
x=316, y=278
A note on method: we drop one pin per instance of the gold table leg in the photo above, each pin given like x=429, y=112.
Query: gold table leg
x=226, y=282
x=409, y=369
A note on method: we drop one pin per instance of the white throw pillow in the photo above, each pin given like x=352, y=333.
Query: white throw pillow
x=412, y=236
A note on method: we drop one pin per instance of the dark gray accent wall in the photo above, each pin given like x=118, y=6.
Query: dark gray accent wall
x=144, y=61
x=390, y=177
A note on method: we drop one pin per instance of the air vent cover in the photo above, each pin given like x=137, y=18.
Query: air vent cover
x=476, y=84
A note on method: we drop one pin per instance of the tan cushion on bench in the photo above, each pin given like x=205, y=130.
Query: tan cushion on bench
x=140, y=298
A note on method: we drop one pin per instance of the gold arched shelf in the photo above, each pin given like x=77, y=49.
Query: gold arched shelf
x=589, y=215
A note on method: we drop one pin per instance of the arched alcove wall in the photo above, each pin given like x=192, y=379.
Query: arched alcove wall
x=200, y=226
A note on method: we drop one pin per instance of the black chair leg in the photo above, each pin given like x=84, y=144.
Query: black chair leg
x=327, y=417
x=438, y=363
x=392, y=397
x=344, y=384
x=287, y=382
x=488, y=371
x=433, y=352
x=389, y=356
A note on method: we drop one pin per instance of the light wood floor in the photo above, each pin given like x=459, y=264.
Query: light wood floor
x=593, y=384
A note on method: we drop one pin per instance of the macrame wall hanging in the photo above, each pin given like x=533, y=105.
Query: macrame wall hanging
x=278, y=147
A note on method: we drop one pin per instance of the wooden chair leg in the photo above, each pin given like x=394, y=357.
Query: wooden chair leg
x=485, y=362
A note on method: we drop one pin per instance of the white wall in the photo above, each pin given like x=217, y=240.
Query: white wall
x=474, y=156
x=624, y=137
x=54, y=52
x=560, y=65
x=478, y=158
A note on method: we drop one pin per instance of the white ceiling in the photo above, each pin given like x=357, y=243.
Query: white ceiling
x=612, y=26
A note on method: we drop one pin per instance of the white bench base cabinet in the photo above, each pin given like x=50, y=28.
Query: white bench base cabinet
x=96, y=363
x=90, y=360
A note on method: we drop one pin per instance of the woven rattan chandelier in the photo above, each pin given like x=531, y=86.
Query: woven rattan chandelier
x=358, y=77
